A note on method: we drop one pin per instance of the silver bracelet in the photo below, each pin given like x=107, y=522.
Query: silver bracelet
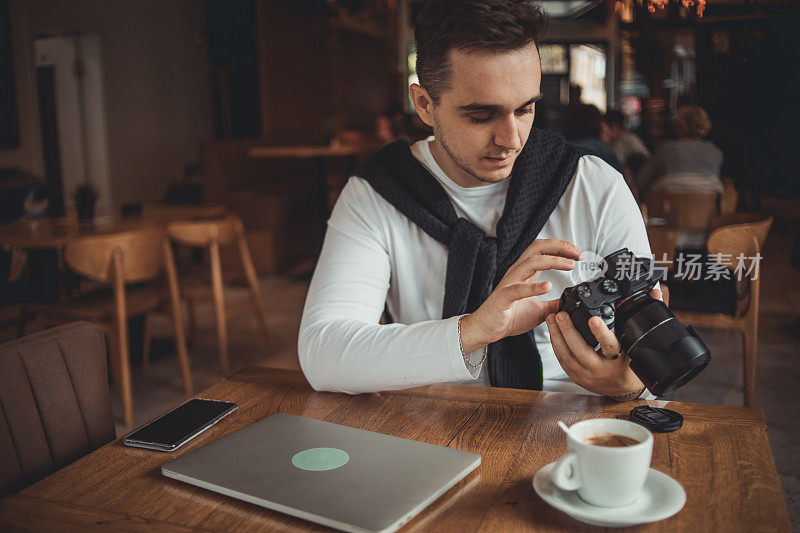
x=470, y=364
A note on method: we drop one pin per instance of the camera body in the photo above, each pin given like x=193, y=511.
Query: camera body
x=663, y=353
x=625, y=276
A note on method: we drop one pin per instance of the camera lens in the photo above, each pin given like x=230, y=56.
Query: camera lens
x=664, y=353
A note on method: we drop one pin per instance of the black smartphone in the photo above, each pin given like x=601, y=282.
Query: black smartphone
x=175, y=428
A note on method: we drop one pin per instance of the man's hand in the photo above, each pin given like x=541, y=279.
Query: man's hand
x=610, y=377
x=513, y=307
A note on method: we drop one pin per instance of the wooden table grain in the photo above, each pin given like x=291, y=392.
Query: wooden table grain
x=721, y=456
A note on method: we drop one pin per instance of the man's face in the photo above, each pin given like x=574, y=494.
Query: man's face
x=483, y=119
x=614, y=132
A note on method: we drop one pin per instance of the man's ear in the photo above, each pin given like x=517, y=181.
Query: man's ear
x=422, y=103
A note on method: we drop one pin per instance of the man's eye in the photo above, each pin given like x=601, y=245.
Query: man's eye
x=525, y=111
x=480, y=117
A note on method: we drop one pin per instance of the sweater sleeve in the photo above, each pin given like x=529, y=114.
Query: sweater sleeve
x=341, y=345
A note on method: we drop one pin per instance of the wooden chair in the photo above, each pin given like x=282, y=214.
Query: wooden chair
x=744, y=234
x=212, y=234
x=121, y=259
x=729, y=199
x=684, y=210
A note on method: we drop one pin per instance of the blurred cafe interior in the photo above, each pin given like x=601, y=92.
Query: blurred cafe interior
x=167, y=170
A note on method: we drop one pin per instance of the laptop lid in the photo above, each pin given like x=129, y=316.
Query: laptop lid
x=338, y=476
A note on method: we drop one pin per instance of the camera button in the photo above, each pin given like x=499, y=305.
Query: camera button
x=609, y=286
x=606, y=311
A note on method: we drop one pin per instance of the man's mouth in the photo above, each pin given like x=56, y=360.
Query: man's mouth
x=499, y=160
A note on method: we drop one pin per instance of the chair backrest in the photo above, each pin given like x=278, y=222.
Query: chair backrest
x=736, y=242
x=55, y=402
x=203, y=232
x=687, y=210
x=738, y=234
x=729, y=199
x=140, y=250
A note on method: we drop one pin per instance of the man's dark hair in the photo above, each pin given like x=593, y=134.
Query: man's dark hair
x=615, y=117
x=487, y=25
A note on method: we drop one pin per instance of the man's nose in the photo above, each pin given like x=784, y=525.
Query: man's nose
x=507, y=133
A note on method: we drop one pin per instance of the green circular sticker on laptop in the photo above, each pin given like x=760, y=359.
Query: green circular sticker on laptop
x=318, y=459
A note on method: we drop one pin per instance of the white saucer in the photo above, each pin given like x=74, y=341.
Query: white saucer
x=661, y=498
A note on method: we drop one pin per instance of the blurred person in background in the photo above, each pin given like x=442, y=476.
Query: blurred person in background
x=626, y=145
x=688, y=163
x=560, y=118
x=584, y=126
x=392, y=124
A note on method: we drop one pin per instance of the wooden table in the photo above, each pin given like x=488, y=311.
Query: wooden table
x=721, y=457
x=47, y=233
x=301, y=152
x=43, y=238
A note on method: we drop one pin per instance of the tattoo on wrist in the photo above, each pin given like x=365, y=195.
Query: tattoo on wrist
x=627, y=396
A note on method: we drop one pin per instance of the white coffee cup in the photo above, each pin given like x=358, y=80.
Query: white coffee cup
x=603, y=475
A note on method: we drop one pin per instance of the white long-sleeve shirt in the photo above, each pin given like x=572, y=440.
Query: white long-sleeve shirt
x=374, y=256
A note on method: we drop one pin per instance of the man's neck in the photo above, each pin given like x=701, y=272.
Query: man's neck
x=455, y=173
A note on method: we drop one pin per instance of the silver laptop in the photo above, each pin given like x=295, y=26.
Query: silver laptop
x=338, y=476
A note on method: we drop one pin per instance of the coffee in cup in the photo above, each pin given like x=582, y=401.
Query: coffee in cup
x=607, y=461
x=612, y=441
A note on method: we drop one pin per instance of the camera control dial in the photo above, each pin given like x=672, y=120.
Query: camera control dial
x=584, y=291
x=609, y=286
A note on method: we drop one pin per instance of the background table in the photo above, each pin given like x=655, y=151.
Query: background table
x=43, y=233
x=301, y=152
x=44, y=237
x=721, y=456
x=319, y=155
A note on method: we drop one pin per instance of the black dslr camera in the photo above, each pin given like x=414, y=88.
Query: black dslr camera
x=663, y=353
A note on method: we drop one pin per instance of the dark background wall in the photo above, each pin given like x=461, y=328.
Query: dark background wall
x=9, y=129
x=314, y=73
x=157, y=93
x=751, y=92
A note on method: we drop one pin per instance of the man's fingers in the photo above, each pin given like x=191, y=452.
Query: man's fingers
x=529, y=263
x=657, y=294
x=537, y=263
x=518, y=291
x=564, y=355
x=551, y=247
x=551, y=306
x=584, y=354
x=608, y=341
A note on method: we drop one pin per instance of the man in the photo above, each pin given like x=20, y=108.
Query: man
x=627, y=146
x=468, y=238
x=584, y=126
